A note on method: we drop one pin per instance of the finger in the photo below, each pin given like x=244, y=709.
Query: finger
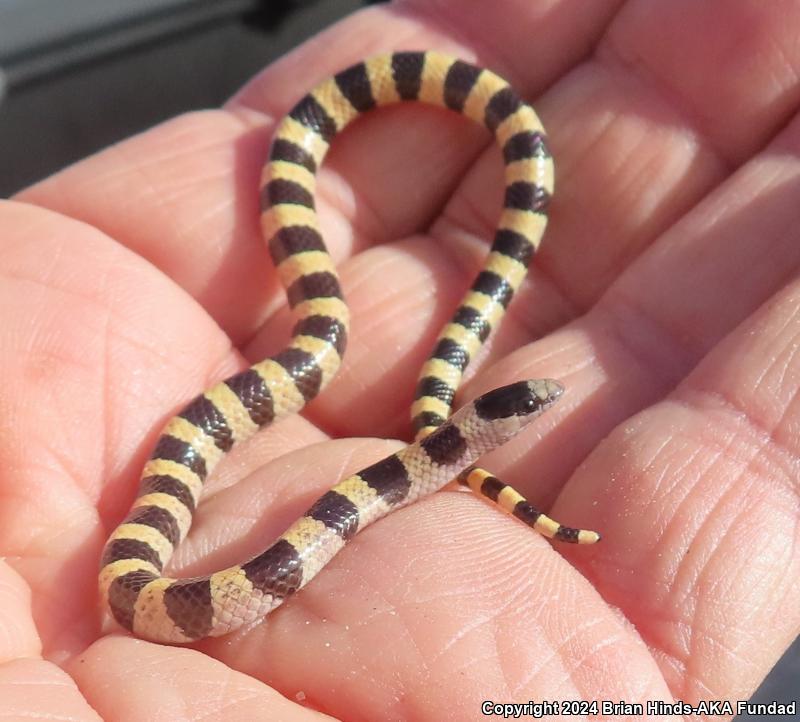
x=642, y=130
x=126, y=316
x=241, y=520
x=79, y=312
x=392, y=333
x=700, y=503
x=126, y=679
x=697, y=283
x=465, y=592
x=18, y=636
x=499, y=36
x=184, y=195
x=35, y=689
x=284, y=436
x=435, y=156
x=741, y=237
x=402, y=294
x=476, y=607
x=252, y=293
x=751, y=46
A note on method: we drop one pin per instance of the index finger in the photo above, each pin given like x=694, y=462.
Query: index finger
x=184, y=195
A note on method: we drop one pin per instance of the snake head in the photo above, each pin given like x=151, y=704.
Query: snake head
x=505, y=411
x=523, y=400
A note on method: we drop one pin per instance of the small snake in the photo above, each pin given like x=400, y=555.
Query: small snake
x=162, y=609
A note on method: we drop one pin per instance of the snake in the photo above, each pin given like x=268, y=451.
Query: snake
x=133, y=588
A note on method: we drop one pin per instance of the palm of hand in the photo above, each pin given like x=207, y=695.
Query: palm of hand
x=665, y=301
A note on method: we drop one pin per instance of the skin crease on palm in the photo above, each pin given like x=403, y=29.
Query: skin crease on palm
x=666, y=298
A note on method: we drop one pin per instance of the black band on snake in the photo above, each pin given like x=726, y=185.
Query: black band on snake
x=162, y=609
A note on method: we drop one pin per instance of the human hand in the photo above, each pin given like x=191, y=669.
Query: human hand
x=666, y=302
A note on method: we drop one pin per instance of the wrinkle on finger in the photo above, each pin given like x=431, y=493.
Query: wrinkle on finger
x=35, y=689
x=128, y=679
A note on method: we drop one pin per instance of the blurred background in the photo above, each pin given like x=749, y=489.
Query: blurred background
x=77, y=75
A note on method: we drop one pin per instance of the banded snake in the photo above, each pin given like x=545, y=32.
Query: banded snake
x=162, y=609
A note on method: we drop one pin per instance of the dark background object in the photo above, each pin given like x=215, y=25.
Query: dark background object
x=85, y=73
x=82, y=74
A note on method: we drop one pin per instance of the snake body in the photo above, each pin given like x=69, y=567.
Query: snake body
x=162, y=609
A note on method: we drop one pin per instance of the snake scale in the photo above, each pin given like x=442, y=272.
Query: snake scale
x=162, y=609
